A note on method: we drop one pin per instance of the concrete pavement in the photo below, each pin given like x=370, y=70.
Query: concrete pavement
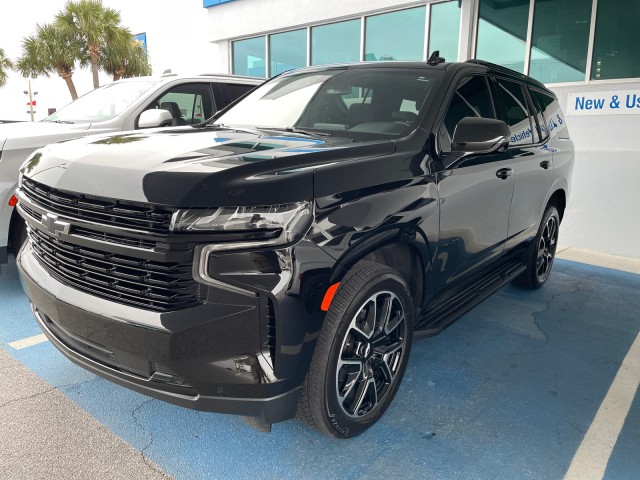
x=44, y=435
x=509, y=391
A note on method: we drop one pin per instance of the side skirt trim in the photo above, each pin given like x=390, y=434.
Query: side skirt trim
x=446, y=309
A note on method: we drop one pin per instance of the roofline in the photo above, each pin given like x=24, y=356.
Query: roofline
x=228, y=75
x=174, y=76
x=508, y=72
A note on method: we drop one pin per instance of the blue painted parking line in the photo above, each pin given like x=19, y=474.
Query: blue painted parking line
x=508, y=391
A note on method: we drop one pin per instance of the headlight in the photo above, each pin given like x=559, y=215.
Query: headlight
x=289, y=220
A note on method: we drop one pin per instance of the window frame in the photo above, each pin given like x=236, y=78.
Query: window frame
x=487, y=77
x=523, y=87
x=535, y=105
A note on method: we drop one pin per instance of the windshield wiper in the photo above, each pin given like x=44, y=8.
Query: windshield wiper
x=298, y=130
x=222, y=126
x=58, y=121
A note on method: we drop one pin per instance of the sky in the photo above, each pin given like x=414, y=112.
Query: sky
x=177, y=39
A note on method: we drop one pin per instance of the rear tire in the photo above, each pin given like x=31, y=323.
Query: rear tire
x=361, y=354
x=541, y=252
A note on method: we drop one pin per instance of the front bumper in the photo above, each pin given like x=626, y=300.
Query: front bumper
x=208, y=357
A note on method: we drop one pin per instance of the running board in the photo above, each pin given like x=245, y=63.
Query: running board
x=445, y=311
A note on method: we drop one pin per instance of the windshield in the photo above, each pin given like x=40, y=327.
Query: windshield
x=102, y=104
x=370, y=102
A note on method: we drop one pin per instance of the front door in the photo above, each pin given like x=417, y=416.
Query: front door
x=475, y=190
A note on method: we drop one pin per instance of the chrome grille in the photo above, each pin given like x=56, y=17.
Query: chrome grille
x=114, y=239
x=142, y=283
x=119, y=213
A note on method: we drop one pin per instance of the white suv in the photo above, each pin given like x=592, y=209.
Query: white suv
x=129, y=104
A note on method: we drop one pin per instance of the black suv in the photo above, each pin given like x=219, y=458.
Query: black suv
x=280, y=258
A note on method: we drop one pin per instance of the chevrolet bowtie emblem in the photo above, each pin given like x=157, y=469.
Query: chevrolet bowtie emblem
x=54, y=225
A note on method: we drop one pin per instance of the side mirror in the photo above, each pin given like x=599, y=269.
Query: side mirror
x=155, y=118
x=480, y=135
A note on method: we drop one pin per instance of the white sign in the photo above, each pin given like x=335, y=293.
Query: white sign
x=615, y=102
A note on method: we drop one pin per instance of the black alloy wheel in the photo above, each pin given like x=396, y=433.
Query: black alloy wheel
x=539, y=256
x=371, y=354
x=547, y=248
x=361, y=353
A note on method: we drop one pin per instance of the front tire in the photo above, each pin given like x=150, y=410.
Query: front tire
x=541, y=252
x=361, y=354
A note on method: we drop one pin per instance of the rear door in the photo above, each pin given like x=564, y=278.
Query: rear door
x=475, y=190
x=532, y=159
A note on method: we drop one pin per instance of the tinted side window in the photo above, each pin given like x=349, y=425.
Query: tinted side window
x=471, y=99
x=515, y=112
x=553, y=118
x=221, y=95
x=237, y=90
x=225, y=93
x=542, y=128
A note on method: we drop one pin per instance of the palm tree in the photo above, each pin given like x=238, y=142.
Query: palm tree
x=5, y=64
x=125, y=61
x=50, y=50
x=95, y=26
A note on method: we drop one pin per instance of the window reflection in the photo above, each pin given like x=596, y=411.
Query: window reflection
x=287, y=51
x=249, y=57
x=515, y=112
x=502, y=33
x=615, y=49
x=444, y=30
x=396, y=35
x=335, y=43
x=560, y=39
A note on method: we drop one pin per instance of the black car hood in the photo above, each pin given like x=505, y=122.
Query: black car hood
x=195, y=167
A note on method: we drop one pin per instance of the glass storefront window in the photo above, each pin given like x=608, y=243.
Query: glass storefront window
x=559, y=41
x=615, y=48
x=287, y=51
x=336, y=43
x=502, y=33
x=249, y=57
x=395, y=35
x=444, y=29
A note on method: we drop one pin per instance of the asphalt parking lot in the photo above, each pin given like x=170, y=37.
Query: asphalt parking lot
x=512, y=390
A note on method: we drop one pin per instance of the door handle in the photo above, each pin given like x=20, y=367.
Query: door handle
x=545, y=164
x=504, y=173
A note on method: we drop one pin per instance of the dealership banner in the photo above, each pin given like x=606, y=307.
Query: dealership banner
x=615, y=102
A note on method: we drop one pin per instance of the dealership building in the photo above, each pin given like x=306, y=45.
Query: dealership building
x=586, y=51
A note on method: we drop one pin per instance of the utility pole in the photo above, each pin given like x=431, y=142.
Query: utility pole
x=31, y=102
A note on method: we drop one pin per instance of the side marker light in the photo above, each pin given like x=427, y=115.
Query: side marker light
x=328, y=297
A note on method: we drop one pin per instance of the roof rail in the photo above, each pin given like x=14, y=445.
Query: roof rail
x=507, y=71
x=230, y=75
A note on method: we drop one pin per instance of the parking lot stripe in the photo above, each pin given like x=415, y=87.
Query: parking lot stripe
x=590, y=461
x=28, y=342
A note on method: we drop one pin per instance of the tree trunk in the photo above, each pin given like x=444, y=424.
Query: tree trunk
x=118, y=73
x=93, y=53
x=69, y=81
